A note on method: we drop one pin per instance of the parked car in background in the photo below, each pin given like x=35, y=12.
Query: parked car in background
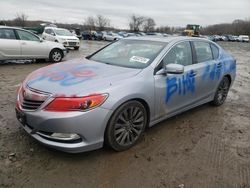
x=63, y=36
x=140, y=33
x=123, y=34
x=209, y=37
x=132, y=35
x=110, y=36
x=97, y=35
x=224, y=38
x=113, y=95
x=77, y=33
x=230, y=38
x=243, y=38
x=16, y=43
x=86, y=35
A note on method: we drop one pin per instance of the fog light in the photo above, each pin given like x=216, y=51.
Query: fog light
x=65, y=136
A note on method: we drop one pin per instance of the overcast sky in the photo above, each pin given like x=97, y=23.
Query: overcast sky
x=164, y=12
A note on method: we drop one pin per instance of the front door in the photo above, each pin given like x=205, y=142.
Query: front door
x=174, y=92
x=31, y=46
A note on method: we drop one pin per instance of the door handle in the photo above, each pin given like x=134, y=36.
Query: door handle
x=219, y=65
x=192, y=74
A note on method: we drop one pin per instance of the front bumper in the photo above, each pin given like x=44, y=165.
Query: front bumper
x=89, y=125
x=71, y=44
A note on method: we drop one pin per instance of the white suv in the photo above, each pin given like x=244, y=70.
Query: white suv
x=244, y=38
x=62, y=36
x=16, y=43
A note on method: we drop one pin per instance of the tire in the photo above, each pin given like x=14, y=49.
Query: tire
x=76, y=48
x=126, y=126
x=221, y=92
x=56, y=55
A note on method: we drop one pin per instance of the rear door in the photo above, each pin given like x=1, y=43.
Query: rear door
x=208, y=69
x=9, y=45
x=31, y=46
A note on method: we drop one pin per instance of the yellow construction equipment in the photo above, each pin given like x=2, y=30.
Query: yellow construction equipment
x=192, y=30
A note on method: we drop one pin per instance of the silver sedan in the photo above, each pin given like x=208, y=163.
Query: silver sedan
x=111, y=96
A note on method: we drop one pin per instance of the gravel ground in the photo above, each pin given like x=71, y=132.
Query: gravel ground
x=206, y=147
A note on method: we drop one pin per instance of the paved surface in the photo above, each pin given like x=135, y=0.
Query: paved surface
x=206, y=147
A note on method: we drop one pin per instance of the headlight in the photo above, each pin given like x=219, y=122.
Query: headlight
x=63, y=104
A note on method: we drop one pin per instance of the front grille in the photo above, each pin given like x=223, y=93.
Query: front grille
x=31, y=104
x=30, y=99
x=72, y=43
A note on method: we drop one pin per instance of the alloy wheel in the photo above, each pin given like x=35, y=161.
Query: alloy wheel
x=129, y=125
x=57, y=56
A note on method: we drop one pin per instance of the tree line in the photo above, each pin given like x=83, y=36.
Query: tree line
x=237, y=27
x=136, y=23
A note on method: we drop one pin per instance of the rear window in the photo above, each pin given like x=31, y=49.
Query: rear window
x=203, y=51
x=7, y=34
x=215, y=51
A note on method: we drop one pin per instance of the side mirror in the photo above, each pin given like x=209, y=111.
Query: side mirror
x=40, y=39
x=53, y=34
x=174, y=68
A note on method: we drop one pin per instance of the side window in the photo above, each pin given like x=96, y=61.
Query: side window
x=27, y=36
x=51, y=32
x=215, y=51
x=203, y=51
x=47, y=31
x=179, y=54
x=7, y=34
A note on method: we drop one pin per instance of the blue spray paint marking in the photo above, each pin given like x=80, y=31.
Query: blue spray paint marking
x=182, y=85
x=213, y=72
x=187, y=83
x=66, y=76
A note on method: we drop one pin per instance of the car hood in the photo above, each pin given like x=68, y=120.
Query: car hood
x=77, y=77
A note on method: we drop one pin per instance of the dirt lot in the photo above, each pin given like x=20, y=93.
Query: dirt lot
x=206, y=147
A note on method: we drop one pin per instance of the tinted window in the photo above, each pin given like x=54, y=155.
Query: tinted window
x=203, y=51
x=7, y=34
x=215, y=51
x=48, y=31
x=179, y=54
x=27, y=36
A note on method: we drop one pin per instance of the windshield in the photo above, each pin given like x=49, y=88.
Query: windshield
x=129, y=53
x=62, y=32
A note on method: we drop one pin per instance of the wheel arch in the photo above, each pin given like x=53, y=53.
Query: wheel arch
x=141, y=100
x=229, y=77
x=56, y=48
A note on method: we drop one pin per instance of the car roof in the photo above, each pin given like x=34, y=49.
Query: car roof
x=55, y=28
x=19, y=28
x=10, y=27
x=165, y=39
